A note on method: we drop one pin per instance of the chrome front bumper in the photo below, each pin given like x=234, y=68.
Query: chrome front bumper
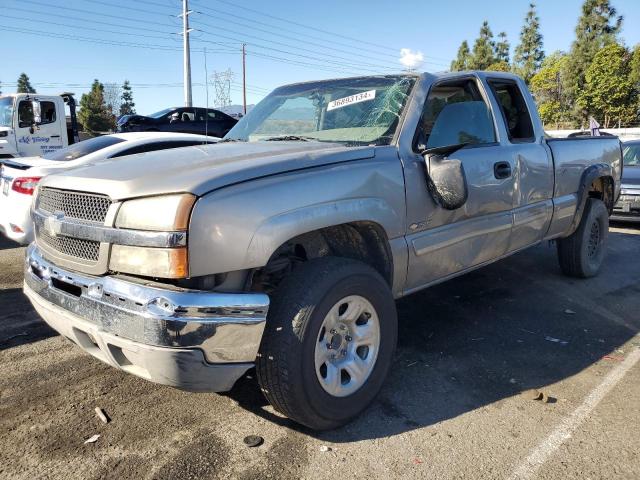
x=220, y=328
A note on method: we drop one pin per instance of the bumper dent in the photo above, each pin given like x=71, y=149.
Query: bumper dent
x=111, y=315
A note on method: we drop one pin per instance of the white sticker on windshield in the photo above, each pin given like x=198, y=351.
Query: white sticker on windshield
x=351, y=99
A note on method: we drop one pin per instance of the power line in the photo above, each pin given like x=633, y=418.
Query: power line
x=118, y=17
x=385, y=47
x=239, y=41
x=325, y=45
x=252, y=27
x=88, y=39
x=326, y=65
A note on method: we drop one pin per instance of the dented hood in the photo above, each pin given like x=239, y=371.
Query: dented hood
x=200, y=169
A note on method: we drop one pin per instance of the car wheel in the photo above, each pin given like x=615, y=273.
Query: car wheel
x=581, y=254
x=328, y=343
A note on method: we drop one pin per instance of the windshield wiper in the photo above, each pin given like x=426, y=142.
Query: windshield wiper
x=290, y=138
x=226, y=140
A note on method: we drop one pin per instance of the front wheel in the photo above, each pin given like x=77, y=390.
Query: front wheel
x=581, y=254
x=328, y=343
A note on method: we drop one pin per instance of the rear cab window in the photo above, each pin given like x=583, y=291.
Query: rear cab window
x=513, y=108
x=455, y=112
x=47, y=112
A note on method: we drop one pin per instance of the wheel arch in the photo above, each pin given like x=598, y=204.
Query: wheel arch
x=597, y=182
x=362, y=240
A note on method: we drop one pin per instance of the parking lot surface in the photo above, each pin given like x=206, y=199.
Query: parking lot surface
x=453, y=405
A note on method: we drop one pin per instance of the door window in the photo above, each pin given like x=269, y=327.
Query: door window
x=25, y=114
x=514, y=110
x=455, y=113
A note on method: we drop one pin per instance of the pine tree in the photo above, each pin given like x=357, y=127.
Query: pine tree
x=462, y=60
x=609, y=94
x=127, y=107
x=24, y=85
x=483, y=49
x=529, y=54
x=502, y=49
x=598, y=26
x=94, y=114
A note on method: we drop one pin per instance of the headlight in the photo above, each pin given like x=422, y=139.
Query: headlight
x=166, y=213
x=150, y=262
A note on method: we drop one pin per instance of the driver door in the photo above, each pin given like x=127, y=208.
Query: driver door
x=445, y=242
x=43, y=138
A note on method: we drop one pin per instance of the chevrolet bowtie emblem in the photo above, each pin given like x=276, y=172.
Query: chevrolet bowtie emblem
x=53, y=224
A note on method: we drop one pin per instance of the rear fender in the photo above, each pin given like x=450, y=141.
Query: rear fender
x=590, y=175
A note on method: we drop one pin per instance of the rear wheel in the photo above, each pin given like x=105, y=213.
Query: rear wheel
x=328, y=342
x=581, y=254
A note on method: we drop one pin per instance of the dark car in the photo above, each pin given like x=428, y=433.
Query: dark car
x=203, y=121
x=628, y=206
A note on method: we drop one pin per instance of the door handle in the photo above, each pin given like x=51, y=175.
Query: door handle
x=502, y=170
x=55, y=136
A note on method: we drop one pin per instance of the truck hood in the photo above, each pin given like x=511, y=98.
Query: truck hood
x=631, y=177
x=200, y=169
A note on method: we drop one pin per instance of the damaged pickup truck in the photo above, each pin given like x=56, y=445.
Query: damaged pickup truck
x=284, y=246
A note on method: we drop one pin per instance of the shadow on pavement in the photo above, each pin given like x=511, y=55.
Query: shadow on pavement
x=489, y=335
x=19, y=323
x=5, y=243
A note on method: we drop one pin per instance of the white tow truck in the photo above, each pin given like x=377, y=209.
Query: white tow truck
x=32, y=124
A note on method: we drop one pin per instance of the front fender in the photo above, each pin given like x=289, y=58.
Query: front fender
x=278, y=229
x=240, y=226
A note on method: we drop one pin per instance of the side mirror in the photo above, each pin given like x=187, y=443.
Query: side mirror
x=446, y=179
x=37, y=113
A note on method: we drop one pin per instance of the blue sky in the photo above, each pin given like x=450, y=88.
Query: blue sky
x=345, y=38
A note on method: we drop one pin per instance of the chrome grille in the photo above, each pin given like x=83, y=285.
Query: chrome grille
x=78, y=205
x=74, y=247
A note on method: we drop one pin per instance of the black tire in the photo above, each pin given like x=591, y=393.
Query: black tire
x=581, y=254
x=285, y=365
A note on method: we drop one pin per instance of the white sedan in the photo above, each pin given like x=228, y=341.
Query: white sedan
x=19, y=176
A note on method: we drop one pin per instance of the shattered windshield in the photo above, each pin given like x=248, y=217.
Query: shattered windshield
x=353, y=111
x=6, y=111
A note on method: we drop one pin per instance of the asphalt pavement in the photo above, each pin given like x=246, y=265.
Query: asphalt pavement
x=456, y=404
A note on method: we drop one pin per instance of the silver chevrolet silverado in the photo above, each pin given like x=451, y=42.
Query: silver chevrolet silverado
x=284, y=246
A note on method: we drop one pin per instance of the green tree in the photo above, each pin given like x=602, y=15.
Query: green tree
x=499, y=67
x=635, y=76
x=94, y=116
x=24, y=85
x=548, y=86
x=598, y=26
x=502, y=49
x=483, y=49
x=609, y=94
x=463, y=58
x=127, y=107
x=529, y=53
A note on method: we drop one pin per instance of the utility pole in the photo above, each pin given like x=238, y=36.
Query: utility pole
x=188, y=102
x=244, y=79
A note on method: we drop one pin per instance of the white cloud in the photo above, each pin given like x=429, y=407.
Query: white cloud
x=411, y=59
